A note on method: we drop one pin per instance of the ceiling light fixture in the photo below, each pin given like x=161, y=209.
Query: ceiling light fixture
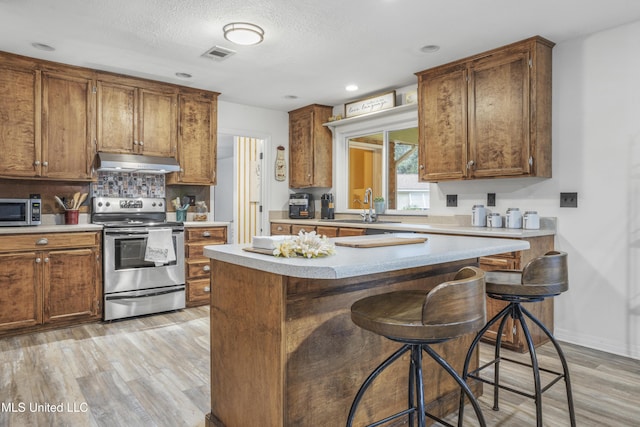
x=351, y=88
x=243, y=33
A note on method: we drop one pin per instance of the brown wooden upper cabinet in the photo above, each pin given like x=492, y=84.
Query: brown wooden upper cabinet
x=310, y=147
x=47, y=121
x=197, y=139
x=488, y=115
x=137, y=120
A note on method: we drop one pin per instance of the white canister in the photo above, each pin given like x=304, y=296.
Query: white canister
x=494, y=220
x=478, y=216
x=531, y=220
x=513, y=219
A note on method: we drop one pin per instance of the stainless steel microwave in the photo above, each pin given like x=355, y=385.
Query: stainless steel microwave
x=20, y=212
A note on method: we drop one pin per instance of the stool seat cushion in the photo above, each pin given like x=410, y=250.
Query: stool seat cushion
x=450, y=310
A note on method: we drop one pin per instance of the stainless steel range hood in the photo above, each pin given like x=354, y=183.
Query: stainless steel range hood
x=136, y=163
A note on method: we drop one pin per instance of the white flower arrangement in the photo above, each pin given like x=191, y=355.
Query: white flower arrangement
x=308, y=245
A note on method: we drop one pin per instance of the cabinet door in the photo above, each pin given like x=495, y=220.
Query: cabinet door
x=116, y=122
x=300, y=149
x=499, y=138
x=68, y=122
x=71, y=289
x=20, y=290
x=158, y=122
x=19, y=111
x=443, y=124
x=197, y=140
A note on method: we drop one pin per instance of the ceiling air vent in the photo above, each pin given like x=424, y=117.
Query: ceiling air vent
x=218, y=53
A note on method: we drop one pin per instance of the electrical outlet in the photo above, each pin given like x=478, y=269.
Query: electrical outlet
x=568, y=200
x=452, y=200
x=491, y=199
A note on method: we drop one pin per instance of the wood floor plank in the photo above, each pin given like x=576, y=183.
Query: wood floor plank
x=154, y=371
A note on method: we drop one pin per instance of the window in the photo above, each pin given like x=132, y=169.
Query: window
x=381, y=155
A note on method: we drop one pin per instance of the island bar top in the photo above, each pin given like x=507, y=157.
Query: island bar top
x=351, y=262
x=284, y=351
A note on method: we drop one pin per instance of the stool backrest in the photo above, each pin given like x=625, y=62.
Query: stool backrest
x=459, y=305
x=548, y=270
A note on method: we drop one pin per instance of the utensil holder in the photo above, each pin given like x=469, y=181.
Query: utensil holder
x=181, y=215
x=71, y=216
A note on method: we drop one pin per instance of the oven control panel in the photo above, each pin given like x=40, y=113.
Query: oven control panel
x=116, y=205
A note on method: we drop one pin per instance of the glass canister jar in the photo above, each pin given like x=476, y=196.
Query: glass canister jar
x=202, y=213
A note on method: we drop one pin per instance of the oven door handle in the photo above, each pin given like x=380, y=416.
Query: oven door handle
x=138, y=234
x=152, y=294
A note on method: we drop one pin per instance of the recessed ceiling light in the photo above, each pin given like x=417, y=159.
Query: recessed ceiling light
x=42, y=46
x=351, y=88
x=430, y=48
x=184, y=75
x=243, y=33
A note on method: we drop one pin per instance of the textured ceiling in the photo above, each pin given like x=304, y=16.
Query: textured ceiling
x=312, y=48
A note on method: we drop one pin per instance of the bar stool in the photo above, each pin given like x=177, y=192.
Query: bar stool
x=543, y=277
x=418, y=319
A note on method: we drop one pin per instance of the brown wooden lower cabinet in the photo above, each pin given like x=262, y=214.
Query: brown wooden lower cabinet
x=197, y=266
x=513, y=336
x=322, y=230
x=49, y=279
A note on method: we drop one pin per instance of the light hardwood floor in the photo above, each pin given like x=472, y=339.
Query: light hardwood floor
x=154, y=371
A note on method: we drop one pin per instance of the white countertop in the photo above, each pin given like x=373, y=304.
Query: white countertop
x=350, y=262
x=463, y=230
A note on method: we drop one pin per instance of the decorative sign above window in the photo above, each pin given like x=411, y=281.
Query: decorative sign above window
x=370, y=105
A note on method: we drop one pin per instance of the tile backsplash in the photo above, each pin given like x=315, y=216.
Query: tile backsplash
x=129, y=184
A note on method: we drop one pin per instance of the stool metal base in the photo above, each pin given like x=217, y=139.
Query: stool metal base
x=518, y=313
x=416, y=406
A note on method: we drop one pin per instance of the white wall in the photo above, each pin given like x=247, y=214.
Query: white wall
x=596, y=152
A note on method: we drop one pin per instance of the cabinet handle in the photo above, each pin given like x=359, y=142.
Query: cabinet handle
x=46, y=260
x=43, y=241
x=45, y=164
x=530, y=161
x=207, y=289
x=470, y=164
x=206, y=268
x=36, y=163
x=38, y=260
x=280, y=228
x=141, y=142
x=206, y=234
x=135, y=142
x=422, y=167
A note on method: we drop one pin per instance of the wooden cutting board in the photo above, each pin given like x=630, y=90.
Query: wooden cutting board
x=379, y=241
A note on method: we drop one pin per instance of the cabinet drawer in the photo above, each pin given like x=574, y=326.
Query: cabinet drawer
x=19, y=242
x=280, y=229
x=327, y=231
x=196, y=250
x=198, y=268
x=297, y=228
x=350, y=231
x=198, y=290
x=497, y=263
x=211, y=235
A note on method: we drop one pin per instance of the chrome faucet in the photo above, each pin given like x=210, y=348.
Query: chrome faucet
x=368, y=198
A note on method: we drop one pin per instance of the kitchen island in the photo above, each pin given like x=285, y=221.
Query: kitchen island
x=284, y=351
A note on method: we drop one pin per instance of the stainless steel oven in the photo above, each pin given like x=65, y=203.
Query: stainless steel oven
x=132, y=285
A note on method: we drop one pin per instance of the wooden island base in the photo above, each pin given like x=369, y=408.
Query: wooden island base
x=284, y=351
